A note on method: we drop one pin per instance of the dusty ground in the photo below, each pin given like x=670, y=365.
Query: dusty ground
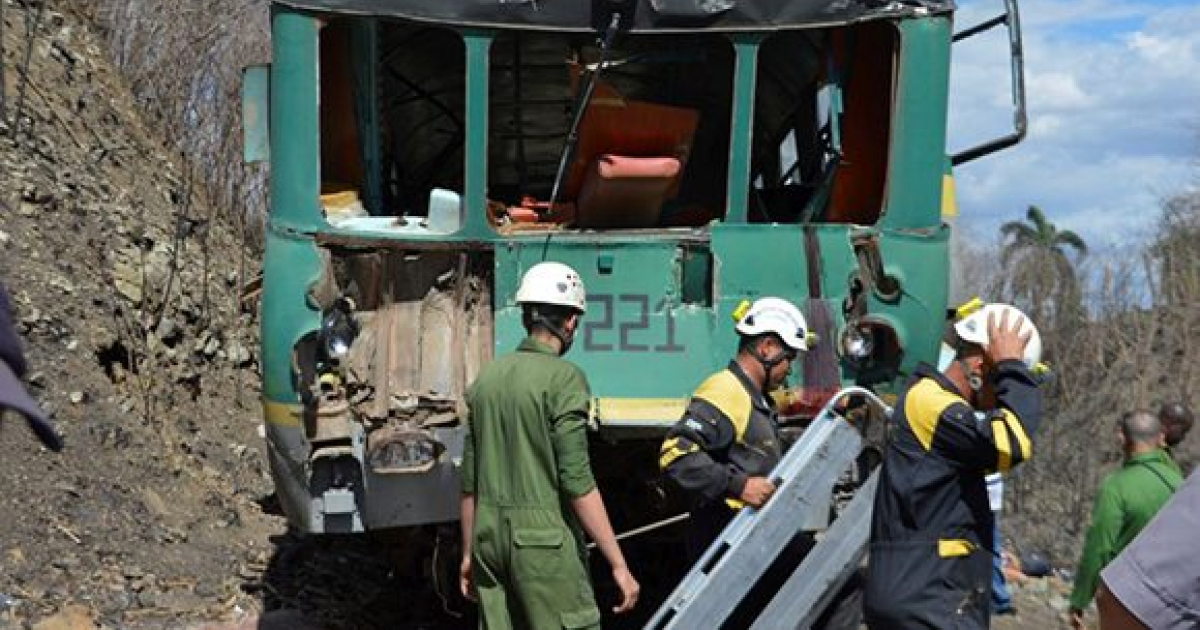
x=129, y=288
x=1041, y=604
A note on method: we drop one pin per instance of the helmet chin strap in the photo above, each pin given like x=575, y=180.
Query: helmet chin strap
x=974, y=379
x=563, y=340
x=767, y=364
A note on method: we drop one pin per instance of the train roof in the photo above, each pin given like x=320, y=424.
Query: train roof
x=649, y=15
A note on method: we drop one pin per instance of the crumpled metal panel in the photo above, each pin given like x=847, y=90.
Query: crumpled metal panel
x=649, y=15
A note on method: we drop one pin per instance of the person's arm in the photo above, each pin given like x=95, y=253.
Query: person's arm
x=575, y=480
x=1001, y=439
x=467, y=513
x=594, y=518
x=1018, y=412
x=685, y=458
x=467, y=510
x=991, y=442
x=1113, y=613
x=571, y=403
x=1099, y=547
x=1018, y=393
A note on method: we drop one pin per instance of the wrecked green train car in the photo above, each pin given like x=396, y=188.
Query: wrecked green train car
x=682, y=155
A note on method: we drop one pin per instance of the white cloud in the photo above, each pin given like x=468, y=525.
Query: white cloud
x=1047, y=125
x=1112, y=89
x=1153, y=48
x=1061, y=89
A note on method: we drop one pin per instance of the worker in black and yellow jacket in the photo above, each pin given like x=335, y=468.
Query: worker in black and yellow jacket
x=722, y=449
x=930, y=558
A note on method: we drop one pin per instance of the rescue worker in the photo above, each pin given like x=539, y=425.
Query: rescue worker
x=932, y=529
x=527, y=485
x=722, y=449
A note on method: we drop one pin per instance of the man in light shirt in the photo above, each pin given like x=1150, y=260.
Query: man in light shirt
x=1001, y=598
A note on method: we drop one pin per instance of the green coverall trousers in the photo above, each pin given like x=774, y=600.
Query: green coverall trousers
x=530, y=571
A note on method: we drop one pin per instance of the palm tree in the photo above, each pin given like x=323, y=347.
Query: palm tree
x=1040, y=272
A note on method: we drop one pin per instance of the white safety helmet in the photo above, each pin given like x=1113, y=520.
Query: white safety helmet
x=775, y=315
x=973, y=328
x=552, y=283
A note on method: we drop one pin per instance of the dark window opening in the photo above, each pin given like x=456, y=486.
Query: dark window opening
x=653, y=143
x=822, y=127
x=393, y=126
x=652, y=147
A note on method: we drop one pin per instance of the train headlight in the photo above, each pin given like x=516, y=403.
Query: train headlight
x=857, y=343
x=872, y=348
x=338, y=329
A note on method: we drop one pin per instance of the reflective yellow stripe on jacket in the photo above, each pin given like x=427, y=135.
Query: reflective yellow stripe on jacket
x=923, y=406
x=926, y=405
x=725, y=392
x=1024, y=449
x=955, y=547
x=671, y=451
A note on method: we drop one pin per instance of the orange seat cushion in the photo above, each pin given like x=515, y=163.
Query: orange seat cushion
x=625, y=192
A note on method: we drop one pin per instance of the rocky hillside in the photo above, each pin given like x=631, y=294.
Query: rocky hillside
x=136, y=305
x=128, y=287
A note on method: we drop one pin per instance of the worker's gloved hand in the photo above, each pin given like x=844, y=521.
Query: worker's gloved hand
x=630, y=589
x=757, y=491
x=1005, y=340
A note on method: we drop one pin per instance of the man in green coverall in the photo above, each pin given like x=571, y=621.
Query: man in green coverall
x=1128, y=499
x=527, y=485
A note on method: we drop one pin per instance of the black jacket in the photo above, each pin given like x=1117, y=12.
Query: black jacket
x=931, y=531
x=727, y=435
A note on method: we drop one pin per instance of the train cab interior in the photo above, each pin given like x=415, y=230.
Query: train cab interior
x=642, y=136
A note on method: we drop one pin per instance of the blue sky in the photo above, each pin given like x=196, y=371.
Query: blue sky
x=1113, y=90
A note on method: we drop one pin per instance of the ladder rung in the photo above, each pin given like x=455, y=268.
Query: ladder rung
x=752, y=541
x=821, y=574
x=804, y=479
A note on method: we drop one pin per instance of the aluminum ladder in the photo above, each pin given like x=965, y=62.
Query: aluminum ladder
x=804, y=481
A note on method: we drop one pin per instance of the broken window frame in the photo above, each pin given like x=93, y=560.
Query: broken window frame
x=741, y=184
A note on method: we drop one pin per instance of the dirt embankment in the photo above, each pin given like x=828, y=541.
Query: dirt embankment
x=131, y=296
x=128, y=290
